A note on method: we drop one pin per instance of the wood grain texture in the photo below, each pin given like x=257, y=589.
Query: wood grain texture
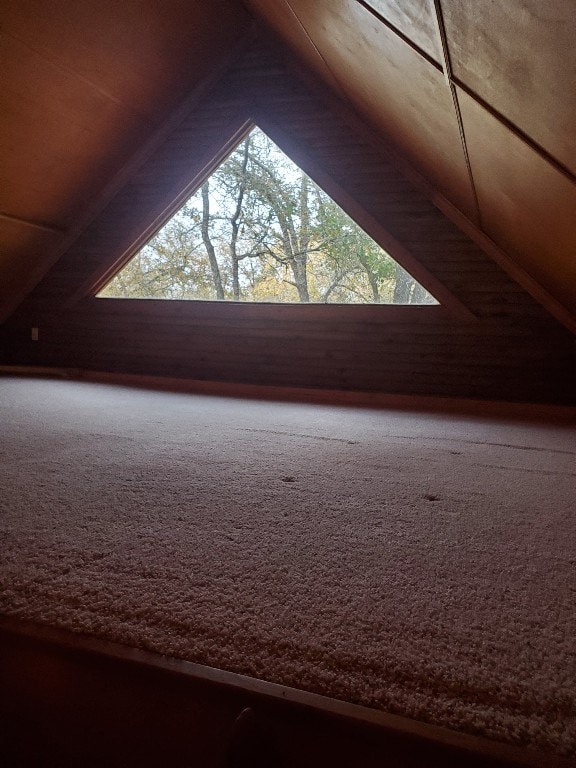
x=415, y=19
x=85, y=86
x=516, y=59
x=393, y=88
x=86, y=83
x=527, y=205
x=511, y=350
x=20, y=247
x=141, y=54
x=519, y=57
x=59, y=139
x=280, y=17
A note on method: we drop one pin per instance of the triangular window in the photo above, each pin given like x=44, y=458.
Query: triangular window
x=260, y=230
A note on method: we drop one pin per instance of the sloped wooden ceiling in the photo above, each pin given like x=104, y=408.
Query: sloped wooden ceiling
x=488, y=338
x=479, y=97
x=85, y=85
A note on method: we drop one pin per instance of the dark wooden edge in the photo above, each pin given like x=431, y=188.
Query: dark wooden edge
x=238, y=131
x=88, y=646
x=44, y=226
x=161, y=215
x=562, y=415
x=232, y=311
x=563, y=314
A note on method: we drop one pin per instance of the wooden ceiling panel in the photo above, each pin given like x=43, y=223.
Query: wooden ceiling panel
x=141, y=53
x=59, y=140
x=393, y=87
x=528, y=207
x=283, y=20
x=519, y=56
x=414, y=18
x=85, y=85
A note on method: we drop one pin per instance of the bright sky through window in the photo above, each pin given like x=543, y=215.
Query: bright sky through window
x=259, y=229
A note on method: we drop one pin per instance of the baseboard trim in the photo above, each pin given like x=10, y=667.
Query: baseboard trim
x=565, y=414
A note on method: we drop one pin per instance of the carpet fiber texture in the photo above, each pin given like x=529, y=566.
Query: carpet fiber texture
x=422, y=564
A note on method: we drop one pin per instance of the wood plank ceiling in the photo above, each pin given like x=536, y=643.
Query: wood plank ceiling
x=477, y=98
x=85, y=85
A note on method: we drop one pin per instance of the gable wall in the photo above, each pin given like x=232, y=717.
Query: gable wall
x=489, y=339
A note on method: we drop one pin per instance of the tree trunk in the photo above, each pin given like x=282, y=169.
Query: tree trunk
x=235, y=221
x=208, y=243
x=419, y=295
x=402, y=287
x=300, y=263
x=372, y=279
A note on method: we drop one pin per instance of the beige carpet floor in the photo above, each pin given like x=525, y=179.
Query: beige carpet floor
x=420, y=563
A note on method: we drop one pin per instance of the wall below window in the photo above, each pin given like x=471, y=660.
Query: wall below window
x=400, y=350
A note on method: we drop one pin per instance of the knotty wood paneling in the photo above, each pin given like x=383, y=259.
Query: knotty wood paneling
x=508, y=347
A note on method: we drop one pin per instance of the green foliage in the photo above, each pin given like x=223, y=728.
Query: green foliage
x=263, y=231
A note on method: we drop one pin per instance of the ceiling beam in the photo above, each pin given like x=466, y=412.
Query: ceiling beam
x=383, y=20
x=443, y=41
x=32, y=223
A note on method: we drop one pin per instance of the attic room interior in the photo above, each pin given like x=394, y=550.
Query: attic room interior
x=282, y=487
